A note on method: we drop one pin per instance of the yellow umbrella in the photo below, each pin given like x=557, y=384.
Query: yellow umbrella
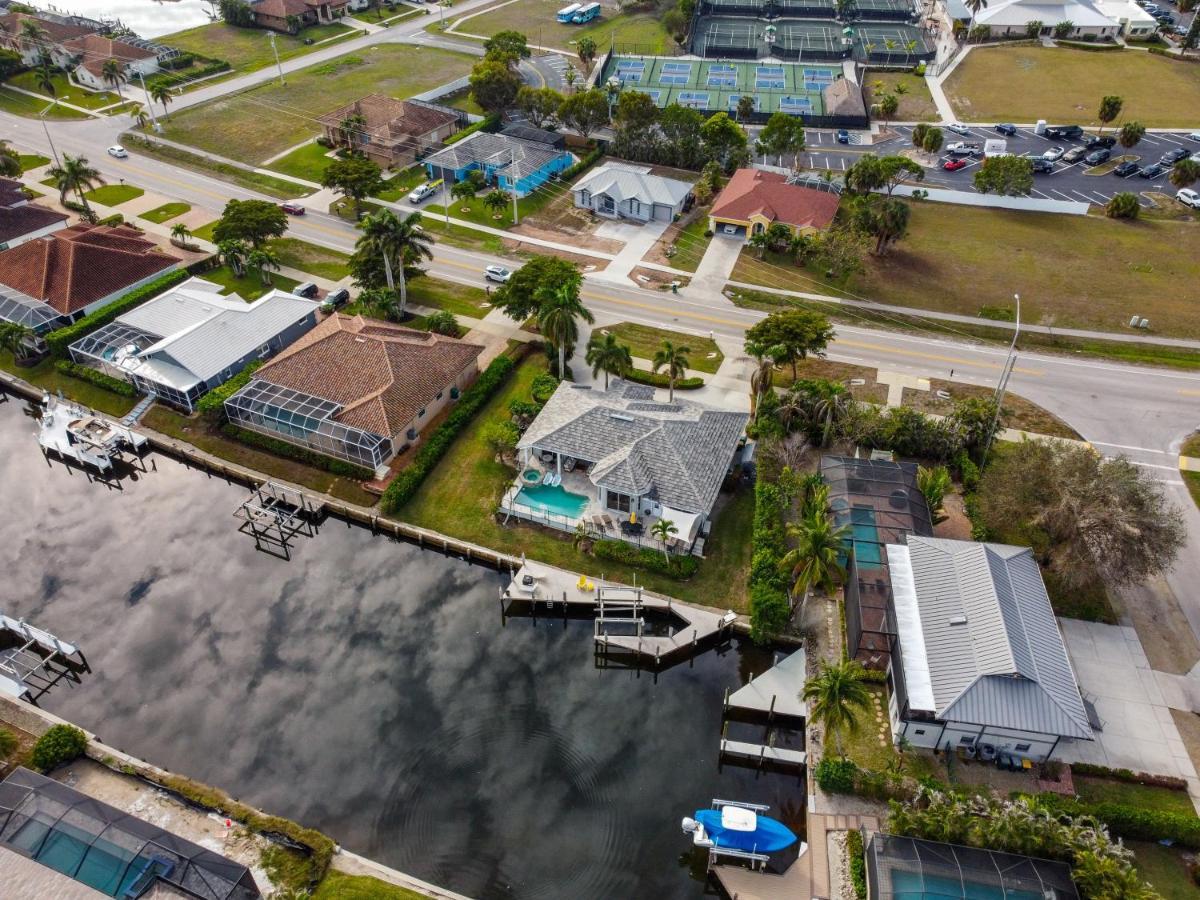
x=633, y=517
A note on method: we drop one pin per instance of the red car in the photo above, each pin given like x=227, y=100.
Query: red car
x=953, y=165
x=292, y=209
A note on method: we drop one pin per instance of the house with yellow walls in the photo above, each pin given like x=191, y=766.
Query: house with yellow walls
x=753, y=200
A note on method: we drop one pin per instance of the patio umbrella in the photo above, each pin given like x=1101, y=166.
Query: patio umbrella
x=633, y=517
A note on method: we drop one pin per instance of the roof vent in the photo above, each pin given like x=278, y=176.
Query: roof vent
x=958, y=620
x=360, y=340
x=620, y=418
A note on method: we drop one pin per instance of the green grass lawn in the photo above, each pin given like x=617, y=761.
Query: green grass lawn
x=205, y=232
x=456, y=298
x=535, y=19
x=165, y=212
x=64, y=90
x=644, y=341
x=114, y=194
x=481, y=214
x=401, y=184
x=690, y=244
x=1166, y=870
x=463, y=100
x=32, y=161
x=460, y=495
x=1106, y=790
x=30, y=107
x=247, y=49
x=861, y=743
x=1191, y=446
x=339, y=886
x=1024, y=84
x=319, y=261
x=1071, y=271
x=256, y=181
x=308, y=162
x=48, y=378
x=243, y=127
x=248, y=286
x=916, y=105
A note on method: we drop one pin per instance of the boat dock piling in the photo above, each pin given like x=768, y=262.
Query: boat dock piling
x=776, y=696
x=274, y=515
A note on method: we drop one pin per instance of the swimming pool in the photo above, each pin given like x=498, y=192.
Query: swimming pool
x=554, y=500
x=865, y=537
x=95, y=862
x=914, y=886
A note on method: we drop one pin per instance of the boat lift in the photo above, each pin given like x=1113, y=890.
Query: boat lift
x=276, y=515
x=32, y=660
x=74, y=433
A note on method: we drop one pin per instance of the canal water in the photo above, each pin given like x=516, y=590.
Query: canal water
x=148, y=18
x=368, y=688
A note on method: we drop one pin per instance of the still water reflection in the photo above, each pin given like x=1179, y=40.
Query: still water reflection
x=366, y=687
x=147, y=18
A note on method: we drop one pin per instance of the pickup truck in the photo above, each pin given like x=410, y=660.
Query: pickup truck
x=1069, y=132
x=963, y=148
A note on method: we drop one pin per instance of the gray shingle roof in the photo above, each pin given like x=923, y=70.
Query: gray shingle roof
x=994, y=651
x=494, y=149
x=629, y=182
x=677, y=453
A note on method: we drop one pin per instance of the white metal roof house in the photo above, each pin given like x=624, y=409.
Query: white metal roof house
x=1010, y=17
x=1132, y=20
x=979, y=663
x=622, y=191
x=191, y=339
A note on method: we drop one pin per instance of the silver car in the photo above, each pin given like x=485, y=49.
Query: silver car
x=1054, y=154
x=497, y=273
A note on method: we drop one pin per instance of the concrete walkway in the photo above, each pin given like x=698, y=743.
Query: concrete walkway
x=638, y=240
x=716, y=266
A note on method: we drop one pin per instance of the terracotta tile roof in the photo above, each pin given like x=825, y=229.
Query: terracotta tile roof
x=79, y=265
x=381, y=374
x=279, y=9
x=55, y=31
x=387, y=117
x=19, y=217
x=752, y=192
x=98, y=49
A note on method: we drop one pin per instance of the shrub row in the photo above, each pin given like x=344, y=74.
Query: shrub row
x=96, y=377
x=858, y=863
x=113, y=220
x=1131, y=822
x=1092, y=47
x=770, y=606
x=488, y=123
x=405, y=485
x=1160, y=51
x=212, y=68
x=680, y=567
x=658, y=379
x=1128, y=775
x=299, y=454
x=62, y=338
x=212, y=404
x=585, y=163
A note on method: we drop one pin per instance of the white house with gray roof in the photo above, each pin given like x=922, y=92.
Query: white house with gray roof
x=618, y=459
x=980, y=664
x=622, y=191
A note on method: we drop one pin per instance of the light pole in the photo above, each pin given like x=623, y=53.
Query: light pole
x=42, y=115
x=149, y=103
x=275, y=50
x=1002, y=385
x=512, y=178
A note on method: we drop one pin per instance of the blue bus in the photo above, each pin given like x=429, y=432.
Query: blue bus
x=564, y=14
x=586, y=14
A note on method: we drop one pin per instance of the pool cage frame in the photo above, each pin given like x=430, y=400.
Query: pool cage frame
x=27, y=798
x=1007, y=873
x=21, y=309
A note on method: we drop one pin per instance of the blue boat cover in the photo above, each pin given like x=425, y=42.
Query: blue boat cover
x=768, y=837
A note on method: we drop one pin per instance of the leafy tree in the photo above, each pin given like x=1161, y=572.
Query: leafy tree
x=558, y=308
x=519, y=296
x=584, y=111
x=927, y=138
x=974, y=423
x=798, y=333
x=1009, y=176
x=1063, y=29
x=934, y=484
x=10, y=160
x=1185, y=173
x=494, y=85
x=1130, y=134
x=496, y=200
x=1110, y=108
x=10, y=64
x=835, y=696
x=19, y=340
x=887, y=106
x=236, y=12
x=608, y=355
x=585, y=49
x=443, y=322
x=501, y=437
x=1123, y=206
x=724, y=140
x=508, y=43
x=1033, y=29
x=839, y=251
x=663, y=530
x=397, y=243
x=635, y=126
x=253, y=221
x=782, y=135
x=884, y=218
x=355, y=177
x=76, y=175
x=778, y=237
x=60, y=744
x=538, y=104
x=1192, y=37
x=674, y=359
x=8, y=743
x=874, y=173
x=680, y=130
x=570, y=73
x=160, y=93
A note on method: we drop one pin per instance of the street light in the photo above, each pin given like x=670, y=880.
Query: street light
x=42, y=115
x=1002, y=384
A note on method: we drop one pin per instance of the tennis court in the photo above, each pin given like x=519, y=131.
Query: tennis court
x=742, y=38
x=899, y=10
x=808, y=39
x=892, y=43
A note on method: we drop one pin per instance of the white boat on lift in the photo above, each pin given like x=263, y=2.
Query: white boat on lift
x=73, y=432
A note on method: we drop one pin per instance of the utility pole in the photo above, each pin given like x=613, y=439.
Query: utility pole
x=1002, y=384
x=149, y=103
x=275, y=50
x=446, y=199
x=512, y=180
x=42, y=116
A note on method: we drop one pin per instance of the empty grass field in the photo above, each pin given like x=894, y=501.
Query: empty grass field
x=64, y=90
x=916, y=104
x=1024, y=84
x=644, y=341
x=535, y=19
x=1071, y=271
x=253, y=125
x=30, y=107
x=320, y=261
x=165, y=212
x=256, y=181
x=248, y=286
x=308, y=162
x=247, y=49
x=114, y=194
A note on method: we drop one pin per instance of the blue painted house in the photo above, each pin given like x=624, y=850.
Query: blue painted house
x=507, y=163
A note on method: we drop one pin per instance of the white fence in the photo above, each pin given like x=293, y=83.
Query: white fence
x=1026, y=204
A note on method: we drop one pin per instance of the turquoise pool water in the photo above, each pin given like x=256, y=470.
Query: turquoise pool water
x=554, y=500
x=867, y=550
x=104, y=866
x=912, y=886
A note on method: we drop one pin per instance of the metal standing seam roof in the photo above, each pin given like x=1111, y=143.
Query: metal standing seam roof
x=994, y=653
x=628, y=182
x=493, y=149
x=1016, y=13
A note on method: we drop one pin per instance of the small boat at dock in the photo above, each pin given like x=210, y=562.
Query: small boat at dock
x=75, y=433
x=738, y=829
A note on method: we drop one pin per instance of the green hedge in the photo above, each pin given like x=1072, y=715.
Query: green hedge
x=299, y=454
x=585, y=163
x=96, y=377
x=61, y=339
x=485, y=124
x=435, y=445
x=836, y=776
x=858, y=863
x=1131, y=822
x=113, y=220
x=657, y=379
x=212, y=404
x=1129, y=776
x=173, y=81
x=1079, y=45
x=60, y=744
x=619, y=551
x=770, y=606
x=1159, y=51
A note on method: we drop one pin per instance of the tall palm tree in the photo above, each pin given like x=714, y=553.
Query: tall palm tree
x=975, y=6
x=558, y=309
x=181, y=232
x=351, y=129
x=45, y=76
x=663, y=529
x=813, y=559
x=674, y=360
x=831, y=400
x=767, y=357
x=10, y=160
x=75, y=174
x=609, y=356
x=113, y=73
x=835, y=697
x=234, y=255
x=161, y=93
x=17, y=339
x=263, y=260
x=140, y=118
x=398, y=242
x=33, y=36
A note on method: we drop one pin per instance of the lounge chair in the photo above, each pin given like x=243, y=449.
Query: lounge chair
x=569, y=464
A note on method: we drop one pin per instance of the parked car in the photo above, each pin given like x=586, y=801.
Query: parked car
x=958, y=128
x=118, y=151
x=843, y=136
x=497, y=273
x=1065, y=132
x=1195, y=135
x=1054, y=154
x=307, y=289
x=335, y=299
x=1041, y=166
x=1075, y=154
x=1101, y=143
x=1097, y=156
x=1153, y=171
x=1006, y=128
x=424, y=191
x=292, y=208
x=962, y=148
x=1188, y=197
x=953, y=165
x=1164, y=17
x=1173, y=156
x=1125, y=169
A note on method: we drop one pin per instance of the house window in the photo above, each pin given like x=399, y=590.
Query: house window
x=1022, y=748
x=618, y=502
x=918, y=731
x=968, y=740
x=421, y=414
x=635, y=206
x=439, y=396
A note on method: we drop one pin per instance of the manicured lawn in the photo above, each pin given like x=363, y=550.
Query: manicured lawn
x=30, y=107
x=308, y=162
x=165, y=212
x=32, y=161
x=690, y=244
x=456, y=298
x=256, y=181
x=64, y=90
x=1191, y=446
x=1024, y=84
x=916, y=105
x=195, y=431
x=535, y=19
x=1105, y=790
x=247, y=49
x=205, y=232
x=460, y=497
x=242, y=126
x=401, y=184
x=463, y=100
x=1165, y=869
x=249, y=286
x=49, y=379
x=338, y=886
x=1071, y=271
x=644, y=341
x=320, y=261
x=480, y=214
x=862, y=744
x=114, y=194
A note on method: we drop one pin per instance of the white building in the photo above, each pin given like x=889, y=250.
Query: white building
x=1130, y=18
x=1012, y=17
x=622, y=191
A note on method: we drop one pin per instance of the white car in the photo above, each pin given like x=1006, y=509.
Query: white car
x=424, y=191
x=958, y=128
x=1054, y=154
x=1188, y=197
x=497, y=273
x=1195, y=135
x=118, y=151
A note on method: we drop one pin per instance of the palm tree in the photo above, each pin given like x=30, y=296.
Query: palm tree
x=17, y=339
x=33, y=35
x=761, y=378
x=975, y=6
x=181, y=232
x=140, y=118
x=233, y=253
x=113, y=73
x=835, y=696
x=663, y=529
x=831, y=400
x=10, y=161
x=263, y=260
x=814, y=560
x=758, y=241
x=75, y=175
x=609, y=356
x=399, y=242
x=495, y=201
x=934, y=484
x=161, y=93
x=1184, y=173
x=559, y=307
x=352, y=128
x=1131, y=133
x=675, y=360
x=45, y=76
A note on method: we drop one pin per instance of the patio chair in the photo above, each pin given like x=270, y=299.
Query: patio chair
x=569, y=464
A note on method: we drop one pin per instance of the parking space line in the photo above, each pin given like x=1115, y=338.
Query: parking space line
x=1102, y=198
x=1038, y=193
x=1083, y=195
x=842, y=160
x=1061, y=194
x=1170, y=140
x=1150, y=140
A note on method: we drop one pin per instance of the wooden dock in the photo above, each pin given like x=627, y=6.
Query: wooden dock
x=777, y=691
x=763, y=753
x=745, y=884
